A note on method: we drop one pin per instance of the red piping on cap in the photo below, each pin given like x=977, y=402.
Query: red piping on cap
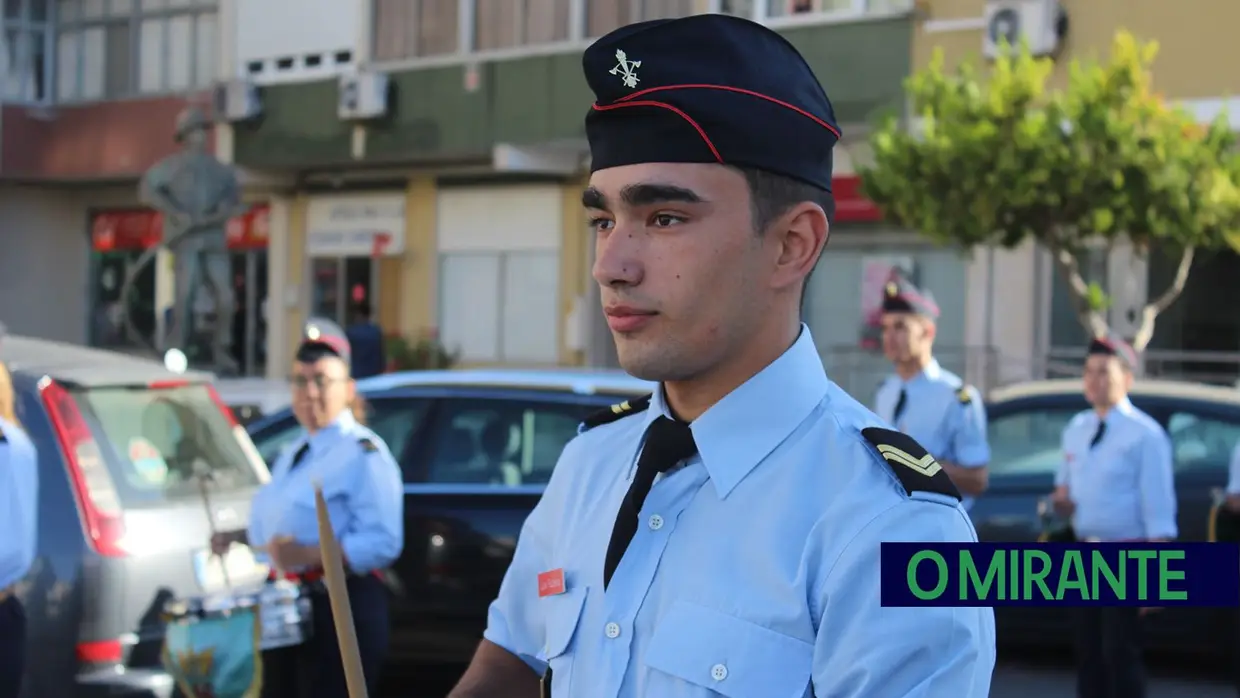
x=663, y=105
x=738, y=90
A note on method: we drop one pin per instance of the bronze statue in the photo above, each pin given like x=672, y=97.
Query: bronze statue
x=197, y=195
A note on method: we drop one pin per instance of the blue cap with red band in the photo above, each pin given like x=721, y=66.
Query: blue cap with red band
x=320, y=338
x=901, y=296
x=709, y=88
x=1108, y=345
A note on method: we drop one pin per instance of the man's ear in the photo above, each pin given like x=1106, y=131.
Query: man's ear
x=801, y=233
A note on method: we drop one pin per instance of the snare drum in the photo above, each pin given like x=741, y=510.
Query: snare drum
x=282, y=607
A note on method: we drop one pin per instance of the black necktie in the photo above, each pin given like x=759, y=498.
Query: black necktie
x=1102, y=429
x=901, y=402
x=667, y=443
x=299, y=456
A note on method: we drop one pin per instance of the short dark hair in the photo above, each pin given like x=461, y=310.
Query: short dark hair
x=771, y=195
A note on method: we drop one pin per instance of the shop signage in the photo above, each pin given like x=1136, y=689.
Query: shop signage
x=139, y=229
x=361, y=225
x=850, y=205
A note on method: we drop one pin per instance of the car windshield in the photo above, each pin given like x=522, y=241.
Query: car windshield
x=155, y=440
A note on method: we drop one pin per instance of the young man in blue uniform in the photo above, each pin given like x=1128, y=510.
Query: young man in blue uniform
x=923, y=400
x=1117, y=484
x=722, y=536
x=19, y=496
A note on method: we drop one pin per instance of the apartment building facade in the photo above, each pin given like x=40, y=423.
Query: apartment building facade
x=91, y=93
x=1027, y=316
x=453, y=202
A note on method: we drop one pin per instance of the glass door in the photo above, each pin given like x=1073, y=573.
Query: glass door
x=111, y=314
x=338, y=285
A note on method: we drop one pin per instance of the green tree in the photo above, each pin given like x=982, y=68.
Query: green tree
x=1002, y=159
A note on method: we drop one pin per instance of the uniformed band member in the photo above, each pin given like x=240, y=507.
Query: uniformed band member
x=721, y=537
x=363, y=488
x=19, y=496
x=1117, y=484
x=923, y=400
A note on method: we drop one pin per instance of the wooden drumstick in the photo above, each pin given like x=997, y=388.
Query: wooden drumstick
x=338, y=594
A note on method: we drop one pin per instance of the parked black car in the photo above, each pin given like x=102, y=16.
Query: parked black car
x=121, y=523
x=477, y=449
x=1026, y=422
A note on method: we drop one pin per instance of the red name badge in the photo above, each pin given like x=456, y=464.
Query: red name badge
x=551, y=583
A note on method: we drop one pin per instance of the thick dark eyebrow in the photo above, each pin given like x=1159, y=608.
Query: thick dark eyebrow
x=636, y=195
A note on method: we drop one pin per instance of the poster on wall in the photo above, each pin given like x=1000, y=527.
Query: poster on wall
x=876, y=272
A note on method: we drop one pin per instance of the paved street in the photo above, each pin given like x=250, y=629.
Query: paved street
x=1042, y=679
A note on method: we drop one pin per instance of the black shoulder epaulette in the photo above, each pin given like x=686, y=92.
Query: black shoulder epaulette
x=917, y=470
x=367, y=445
x=615, y=412
x=964, y=395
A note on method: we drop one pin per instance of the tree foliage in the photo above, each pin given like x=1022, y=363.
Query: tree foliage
x=1003, y=159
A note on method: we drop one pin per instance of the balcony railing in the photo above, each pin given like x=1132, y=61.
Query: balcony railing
x=448, y=31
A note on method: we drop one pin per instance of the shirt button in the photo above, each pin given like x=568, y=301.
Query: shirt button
x=656, y=522
x=719, y=672
x=612, y=630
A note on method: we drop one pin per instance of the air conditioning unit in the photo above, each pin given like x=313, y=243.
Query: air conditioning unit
x=363, y=95
x=1041, y=23
x=237, y=100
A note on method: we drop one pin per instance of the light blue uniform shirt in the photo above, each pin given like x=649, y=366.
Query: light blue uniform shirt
x=19, y=500
x=1124, y=487
x=363, y=490
x=755, y=568
x=1233, y=478
x=936, y=416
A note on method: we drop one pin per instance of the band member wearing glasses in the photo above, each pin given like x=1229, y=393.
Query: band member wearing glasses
x=363, y=488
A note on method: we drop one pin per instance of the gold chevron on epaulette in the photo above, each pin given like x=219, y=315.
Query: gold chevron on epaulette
x=926, y=465
x=615, y=412
x=916, y=469
x=964, y=395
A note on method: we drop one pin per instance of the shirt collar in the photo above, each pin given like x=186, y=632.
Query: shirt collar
x=742, y=429
x=326, y=436
x=931, y=371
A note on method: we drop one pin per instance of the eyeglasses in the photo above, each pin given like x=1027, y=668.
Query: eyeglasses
x=319, y=381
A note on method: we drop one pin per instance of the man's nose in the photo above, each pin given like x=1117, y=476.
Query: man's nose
x=617, y=260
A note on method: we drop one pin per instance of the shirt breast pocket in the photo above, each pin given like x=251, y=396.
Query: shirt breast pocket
x=563, y=615
x=726, y=655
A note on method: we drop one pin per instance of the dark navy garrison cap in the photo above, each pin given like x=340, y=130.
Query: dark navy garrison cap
x=709, y=88
x=901, y=296
x=1109, y=345
x=321, y=338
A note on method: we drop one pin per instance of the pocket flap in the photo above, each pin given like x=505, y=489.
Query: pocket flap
x=730, y=656
x=563, y=612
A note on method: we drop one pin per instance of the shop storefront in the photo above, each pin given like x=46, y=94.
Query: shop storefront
x=347, y=237
x=120, y=237
x=499, y=272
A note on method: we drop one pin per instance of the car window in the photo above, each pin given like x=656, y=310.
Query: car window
x=500, y=442
x=155, y=441
x=1028, y=441
x=1201, y=442
x=395, y=420
x=274, y=437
